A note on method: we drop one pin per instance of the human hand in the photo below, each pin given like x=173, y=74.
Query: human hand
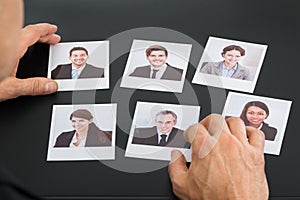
x=227, y=162
x=12, y=87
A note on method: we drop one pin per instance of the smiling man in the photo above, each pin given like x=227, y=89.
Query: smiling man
x=163, y=133
x=158, y=68
x=78, y=68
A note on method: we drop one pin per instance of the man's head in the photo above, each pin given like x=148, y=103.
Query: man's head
x=165, y=121
x=78, y=56
x=156, y=55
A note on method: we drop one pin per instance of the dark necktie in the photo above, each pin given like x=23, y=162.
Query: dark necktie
x=154, y=73
x=163, y=140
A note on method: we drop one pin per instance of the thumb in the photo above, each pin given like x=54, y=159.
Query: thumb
x=177, y=166
x=12, y=87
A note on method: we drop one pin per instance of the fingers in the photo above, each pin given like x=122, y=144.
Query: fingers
x=12, y=87
x=42, y=32
x=256, y=137
x=215, y=124
x=177, y=165
x=178, y=172
x=237, y=128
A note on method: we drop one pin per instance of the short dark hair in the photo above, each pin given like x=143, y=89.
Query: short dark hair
x=253, y=103
x=82, y=113
x=78, y=48
x=234, y=47
x=156, y=48
x=167, y=112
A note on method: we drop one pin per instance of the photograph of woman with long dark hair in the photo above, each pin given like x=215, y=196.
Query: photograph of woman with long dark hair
x=85, y=133
x=254, y=113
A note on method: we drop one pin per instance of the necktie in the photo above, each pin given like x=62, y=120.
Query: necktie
x=154, y=73
x=163, y=140
x=75, y=74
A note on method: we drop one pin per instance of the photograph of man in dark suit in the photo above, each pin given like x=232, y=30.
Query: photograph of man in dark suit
x=163, y=133
x=78, y=68
x=158, y=68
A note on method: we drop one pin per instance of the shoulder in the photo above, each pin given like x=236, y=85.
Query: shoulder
x=66, y=134
x=174, y=68
x=142, y=68
x=210, y=65
x=270, y=132
x=92, y=67
x=58, y=67
x=177, y=131
x=242, y=68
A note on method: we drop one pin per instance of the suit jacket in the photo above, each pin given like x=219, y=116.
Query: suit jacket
x=94, y=138
x=171, y=73
x=65, y=72
x=148, y=136
x=270, y=132
x=215, y=68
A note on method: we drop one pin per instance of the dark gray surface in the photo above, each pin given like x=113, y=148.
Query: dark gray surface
x=26, y=121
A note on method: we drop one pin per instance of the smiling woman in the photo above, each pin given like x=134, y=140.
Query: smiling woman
x=254, y=113
x=85, y=133
x=229, y=67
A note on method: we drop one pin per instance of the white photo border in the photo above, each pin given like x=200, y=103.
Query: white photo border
x=95, y=57
x=84, y=153
x=156, y=152
x=177, y=53
x=271, y=147
x=225, y=82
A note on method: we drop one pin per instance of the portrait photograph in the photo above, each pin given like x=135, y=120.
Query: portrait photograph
x=230, y=64
x=156, y=65
x=82, y=132
x=266, y=114
x=157, y=129
x=79, y=65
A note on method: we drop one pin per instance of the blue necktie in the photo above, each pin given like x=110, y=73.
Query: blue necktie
x=75, y=73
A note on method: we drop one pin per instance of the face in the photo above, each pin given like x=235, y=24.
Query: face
x=81, y=124
x=255, y=115
x=157, y=58
x=165, y=123
x=232, y=57
x=78, y=58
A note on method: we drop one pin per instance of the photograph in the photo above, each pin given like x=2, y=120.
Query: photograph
x=82, y=132
x=230, y=64
x=157, y=129
x=263, y=113
x=79, y=65
x=157, y=66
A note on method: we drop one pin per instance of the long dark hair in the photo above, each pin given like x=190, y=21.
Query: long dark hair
x=85, y=114
x=253, y=103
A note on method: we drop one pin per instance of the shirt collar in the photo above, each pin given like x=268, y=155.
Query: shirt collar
x=225, y=68
x=80, y=68
x=162, y=68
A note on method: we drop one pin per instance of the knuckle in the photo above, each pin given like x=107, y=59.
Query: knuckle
x=35, y=87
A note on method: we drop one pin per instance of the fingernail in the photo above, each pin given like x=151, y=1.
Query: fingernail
x=175, y=154
x=50, y=87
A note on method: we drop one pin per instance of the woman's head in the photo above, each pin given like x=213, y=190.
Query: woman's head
x=81, y=119
x=232, y=54
x=254, y=113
